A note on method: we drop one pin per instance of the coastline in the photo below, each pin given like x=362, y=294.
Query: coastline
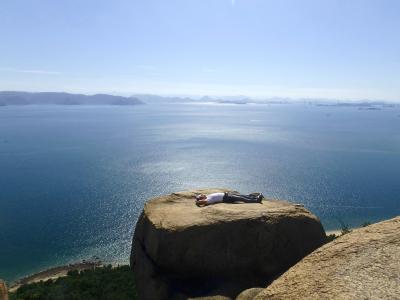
x=54, y=273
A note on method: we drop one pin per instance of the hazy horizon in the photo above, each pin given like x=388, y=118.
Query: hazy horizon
x=222, y=97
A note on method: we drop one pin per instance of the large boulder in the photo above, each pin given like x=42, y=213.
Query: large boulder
x=183, y=251
x=363, y=264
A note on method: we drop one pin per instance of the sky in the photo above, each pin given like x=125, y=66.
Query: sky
x=333, y=49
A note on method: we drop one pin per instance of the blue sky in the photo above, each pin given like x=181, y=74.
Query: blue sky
x=343, y=49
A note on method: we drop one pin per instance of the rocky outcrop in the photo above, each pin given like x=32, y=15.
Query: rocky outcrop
x=3, y=290
x=364, y=264
x=182, y=251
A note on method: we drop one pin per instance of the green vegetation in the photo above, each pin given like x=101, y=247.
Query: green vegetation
x=330, y=238
x=344, y=228
x=104, y=283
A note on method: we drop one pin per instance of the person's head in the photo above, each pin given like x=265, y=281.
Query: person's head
x=201, y=200
x=201, y=197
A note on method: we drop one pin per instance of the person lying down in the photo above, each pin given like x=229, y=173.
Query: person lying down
x=229, y=197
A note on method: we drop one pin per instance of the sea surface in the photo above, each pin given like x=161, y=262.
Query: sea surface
x=73, y=179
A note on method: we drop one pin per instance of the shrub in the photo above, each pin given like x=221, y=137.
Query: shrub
x=330, y=237
x=365, y=224
x=344, y=228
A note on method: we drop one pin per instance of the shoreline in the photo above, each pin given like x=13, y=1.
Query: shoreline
x=54, y=273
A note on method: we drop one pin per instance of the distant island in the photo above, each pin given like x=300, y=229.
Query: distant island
x=243, y=100
x=158, y=99
x=54, y=98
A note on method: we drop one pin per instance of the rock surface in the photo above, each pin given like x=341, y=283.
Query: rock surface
x=211, y=298
x=3, y=290
x=182, y=251
x=249, y=294
x=363, y=264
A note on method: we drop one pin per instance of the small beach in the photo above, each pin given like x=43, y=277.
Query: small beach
x=54, y=273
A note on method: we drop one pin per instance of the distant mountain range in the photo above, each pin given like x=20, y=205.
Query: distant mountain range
x=240, y=100
x=55, y=98
x=149, y=98
x=50, y=98
x=156, y=99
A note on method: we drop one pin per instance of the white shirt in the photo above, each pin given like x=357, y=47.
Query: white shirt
x=215, y=198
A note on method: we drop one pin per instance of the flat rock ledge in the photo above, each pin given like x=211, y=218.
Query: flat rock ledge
x=363, y=264
x=181, y=251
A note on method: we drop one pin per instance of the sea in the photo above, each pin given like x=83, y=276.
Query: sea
x=74, y=179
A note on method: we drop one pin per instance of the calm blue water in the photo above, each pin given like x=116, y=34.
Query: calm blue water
x=73, y=180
